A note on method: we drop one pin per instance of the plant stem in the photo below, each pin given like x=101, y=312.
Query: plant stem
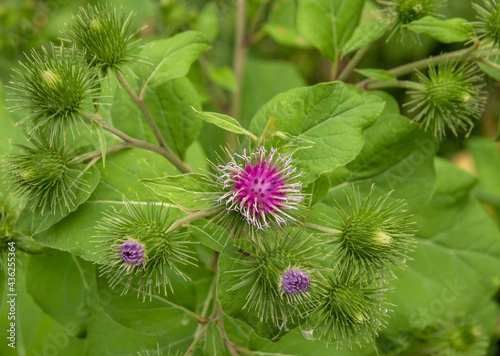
x=98, y=153
x=393, y=84
x=164, y=151
x=139, y=101
x=202, y=214
x=320, y=228
x=353, y=63
x=334, y=69
x=489, y=63
x=201, y=329
x=239, y=59
x=423, y=63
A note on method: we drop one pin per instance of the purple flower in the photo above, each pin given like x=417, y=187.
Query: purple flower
x=132, y=252
x=261, y=187
x=294, y=281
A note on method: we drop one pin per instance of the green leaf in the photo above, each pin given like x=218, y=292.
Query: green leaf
x=368, y=31
x=209, y=234
x=455, y=268
x=208, y=22
x=233, y=301
x=487, y=161
x=160, y=315
x=61, y=285
x=214, y=345
x=121, y=178
x=187, y=191
x=332, y=116
x=377, y=74
x=225, y=122
x=328, y=24
x=491, y=67
x=223, y=76
x=171, y=57
x=170, y=107
x=31, y=223
x=445, y=31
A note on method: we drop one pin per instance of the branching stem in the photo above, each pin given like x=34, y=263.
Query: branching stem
x=98, y=153
x=165, y=152
x=140, y=104
x=424, y=63
x=202, y=214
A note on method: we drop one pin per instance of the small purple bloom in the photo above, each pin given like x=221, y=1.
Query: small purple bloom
x=294, y=281
x=261, y=187
x=132, y=252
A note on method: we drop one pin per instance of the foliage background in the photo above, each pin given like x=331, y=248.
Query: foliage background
x=449, y=277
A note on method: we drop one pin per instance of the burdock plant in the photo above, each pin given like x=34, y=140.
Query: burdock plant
x=214, y=257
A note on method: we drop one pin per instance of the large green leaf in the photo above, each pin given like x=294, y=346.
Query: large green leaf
x=61, y=285
x=160, y=315
x=373, y=25
x=487, y=161
x=121, y=178
x=331, y=117
x=328, y=24
x=172, y=57
x=456, y=264
x=33, y=222
x=36, y=332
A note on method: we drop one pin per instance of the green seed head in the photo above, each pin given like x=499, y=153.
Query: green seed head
x=103, y=34
x=138, y=251
x=54, y=87
x=45, y=175
x=374, y=235
x=348, y=309
x=450, y=97
x=411, y=10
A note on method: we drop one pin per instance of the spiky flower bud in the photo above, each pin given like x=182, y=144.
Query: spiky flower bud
x=451, y=96
x=373, y=235
x=103, y=34
x=46, y=175
x=261, y=188
x=55, y=86
x=348, y=309
x=488, y=25
x=277, y=268
x=136, y=247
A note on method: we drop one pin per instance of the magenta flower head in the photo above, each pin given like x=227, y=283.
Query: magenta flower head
x=261, y=187
x=294, y=281
x=132, y=252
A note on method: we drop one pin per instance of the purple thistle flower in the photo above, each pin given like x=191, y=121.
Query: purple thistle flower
x=261, y=186
x=132, y=252
x=294, y=281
